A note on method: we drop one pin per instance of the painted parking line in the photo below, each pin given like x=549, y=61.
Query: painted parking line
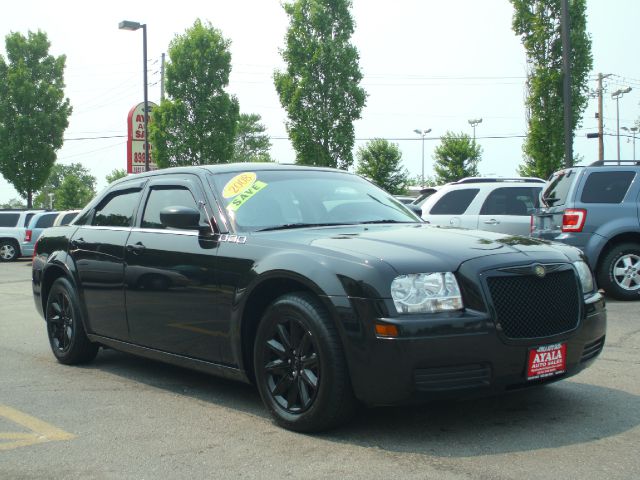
x=39, y=431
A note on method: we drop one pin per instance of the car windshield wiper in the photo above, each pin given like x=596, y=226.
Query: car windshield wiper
x=385, y=221
x=303, y=225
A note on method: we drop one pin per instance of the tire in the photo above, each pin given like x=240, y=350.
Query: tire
x=299, y=365
x=65, y=327
x=9, y=250
x=619, y=272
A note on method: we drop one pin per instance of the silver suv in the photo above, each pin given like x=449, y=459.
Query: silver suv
x=13, y=225
x=501, y=205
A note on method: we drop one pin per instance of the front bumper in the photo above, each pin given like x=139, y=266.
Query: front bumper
x=460, y=354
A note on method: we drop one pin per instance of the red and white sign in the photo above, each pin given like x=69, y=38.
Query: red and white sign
x=547, y=361
x=135, y=139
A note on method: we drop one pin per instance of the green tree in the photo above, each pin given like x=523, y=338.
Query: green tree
x=252, y=143
x=196, y=124
x=537, y=22
x=320, y=88
x=33, y=111
x=116, y=174
x=456, y=157
x=57, y=177
x=73, y=193
x=381, y=162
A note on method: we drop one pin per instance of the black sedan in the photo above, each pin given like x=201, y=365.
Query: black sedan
x=320, y=288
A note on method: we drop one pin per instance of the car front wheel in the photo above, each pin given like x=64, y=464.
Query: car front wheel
x=619, y=273
x=300, y=368
x=67, y=336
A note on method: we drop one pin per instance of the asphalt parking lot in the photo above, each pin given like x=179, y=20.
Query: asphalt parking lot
x=124, y=417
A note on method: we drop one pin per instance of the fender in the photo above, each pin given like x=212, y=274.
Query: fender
x=335, y=286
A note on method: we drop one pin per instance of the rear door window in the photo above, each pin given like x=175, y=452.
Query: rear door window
x=117, y=209
x=9, y=219
x=46, y=221
x=511, y=201
x=68, y=218
x=455, y=202
x=607, y=187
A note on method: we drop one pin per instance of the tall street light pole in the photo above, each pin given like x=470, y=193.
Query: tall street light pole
x=616, y=95
x=474, y=122
x=422, y=133
x=633, y=131
x=128, y=25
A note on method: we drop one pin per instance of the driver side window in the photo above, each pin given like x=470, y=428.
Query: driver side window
x=160, y=198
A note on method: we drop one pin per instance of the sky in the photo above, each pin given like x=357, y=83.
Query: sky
x=426, y=64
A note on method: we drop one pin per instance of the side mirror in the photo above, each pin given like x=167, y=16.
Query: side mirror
x=184, y=218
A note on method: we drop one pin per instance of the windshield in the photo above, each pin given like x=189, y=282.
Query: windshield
x=272, y=199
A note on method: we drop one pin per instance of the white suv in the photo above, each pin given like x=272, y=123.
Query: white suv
x=496, y=204
x=13, y=225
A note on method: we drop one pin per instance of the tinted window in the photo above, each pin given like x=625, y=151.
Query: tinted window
x=45, y=221
x=511, y=201
x=66, y=220
x=162, y=198
x=117, y=209
x=455, y=202
x=9, y=219
x=558, y=187
x=606, y=187
x=27, y=218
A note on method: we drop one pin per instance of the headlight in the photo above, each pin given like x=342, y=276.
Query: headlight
x=426, y=293
x=585, y=276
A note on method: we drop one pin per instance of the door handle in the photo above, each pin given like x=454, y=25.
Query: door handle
x=137, y=248
x=493, y=221
x=78, y=242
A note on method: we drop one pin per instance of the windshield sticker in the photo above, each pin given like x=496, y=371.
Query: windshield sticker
x=238, y=184
x=240, y=199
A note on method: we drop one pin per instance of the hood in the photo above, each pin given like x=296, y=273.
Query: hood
x=408, y=246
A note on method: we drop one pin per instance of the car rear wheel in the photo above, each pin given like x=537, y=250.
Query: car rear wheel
x=9, y=250
x=67, y=336
x=619, y=273
x=300, y=369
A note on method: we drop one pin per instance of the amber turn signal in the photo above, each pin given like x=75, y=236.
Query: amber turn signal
x=386, y=330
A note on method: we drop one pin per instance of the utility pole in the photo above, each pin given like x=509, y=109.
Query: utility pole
x=565, y=25
x=600, y=113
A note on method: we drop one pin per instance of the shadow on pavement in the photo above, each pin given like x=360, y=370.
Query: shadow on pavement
x=565, y=413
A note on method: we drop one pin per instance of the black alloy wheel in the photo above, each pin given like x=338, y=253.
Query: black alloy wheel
x=60, y=323
x=291, y=366
x=300, y=367
x=65, y=328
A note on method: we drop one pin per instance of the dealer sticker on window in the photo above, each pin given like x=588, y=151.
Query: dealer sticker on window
x=547, y=361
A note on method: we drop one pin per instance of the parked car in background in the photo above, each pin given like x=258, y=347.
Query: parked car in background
x=65, y=217
x=502, y=205
x=315, y=285
x=13, y=225
x=424, y=194
x=597, y=209
x=36, y=226
x=405, y=199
